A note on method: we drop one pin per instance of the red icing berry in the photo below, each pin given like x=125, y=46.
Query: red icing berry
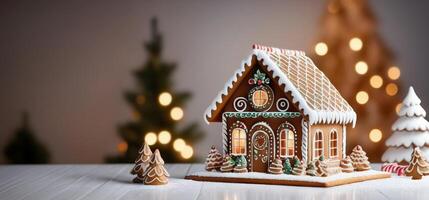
x=259, y=82
x=251, y=81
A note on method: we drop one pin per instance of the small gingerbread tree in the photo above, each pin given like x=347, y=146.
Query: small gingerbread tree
x=214, y=160
x=418, y=167
x=287, y=168
x=141, y=163
x=156, y=174
x=410, y=130
x=228, y=164
x=359, y=159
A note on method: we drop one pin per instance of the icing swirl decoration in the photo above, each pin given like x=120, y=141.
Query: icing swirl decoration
x=240, y=104
x=282, y=104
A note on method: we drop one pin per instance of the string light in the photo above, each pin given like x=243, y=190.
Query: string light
x=361, y=67
x=176, y=113
x=391, y=89
x=355, y=44
x=398, y=108
x=362, y=97
x=122, y=147
x=394, y=73
x=375, y=135
x=179, y=144
x=376, y=81
x=150, y=138
x=164, y=137
x=165, y=99
x=321, y=48
x=187, y=152
x=140, y=99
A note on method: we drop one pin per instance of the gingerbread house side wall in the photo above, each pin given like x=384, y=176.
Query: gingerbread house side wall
x=326, y=130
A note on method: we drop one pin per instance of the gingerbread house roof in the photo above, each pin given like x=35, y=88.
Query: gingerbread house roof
x=316, y=95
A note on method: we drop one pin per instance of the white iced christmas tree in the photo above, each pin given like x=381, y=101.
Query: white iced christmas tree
x=410, y=130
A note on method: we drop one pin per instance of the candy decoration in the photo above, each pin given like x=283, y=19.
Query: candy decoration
x=228, y=164
x=359, y=159
x=346, y=165
x=394, y=168
x=276, y=167
x=214, y=160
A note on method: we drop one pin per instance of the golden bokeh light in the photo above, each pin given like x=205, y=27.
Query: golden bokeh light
x=164, y=137
x=176, y=113
x=361, y=67
x=150, y=138
x=122, y=147
x=321, y=48
x=355, y=44
x=391, y=89
x=394, y=73
x=187, y=152
x=375, y=135
x=179, y=144
x=376, y=81
x=398, y=108
x=165, y=99
x=362, y=97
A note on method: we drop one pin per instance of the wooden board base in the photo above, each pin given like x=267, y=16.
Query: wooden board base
x=330, y=183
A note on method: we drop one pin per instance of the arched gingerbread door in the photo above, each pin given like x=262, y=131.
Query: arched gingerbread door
x=261, y=147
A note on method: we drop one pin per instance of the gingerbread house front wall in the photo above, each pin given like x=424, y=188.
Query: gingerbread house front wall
x=261, y=133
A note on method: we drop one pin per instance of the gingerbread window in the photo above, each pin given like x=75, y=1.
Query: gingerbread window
x=333, y=143
x=238, y=141
x=318, y=144
x=260, y=98
x=287, y=140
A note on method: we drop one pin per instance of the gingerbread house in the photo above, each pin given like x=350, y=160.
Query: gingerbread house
x=279, y=104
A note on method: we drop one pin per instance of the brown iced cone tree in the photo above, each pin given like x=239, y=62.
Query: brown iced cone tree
x=141, y=163
x=311, y=169
x=156, y=174
x=359, y=159
x=418, y=167
x=321, y=168
x=276, y=167
x=214, y=160
x=346, y=165
x=227, y=165
x=299, y=169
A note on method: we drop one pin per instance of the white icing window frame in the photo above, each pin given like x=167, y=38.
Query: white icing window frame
x=334, y=130
x=287, y=127
x=242, y=126
x=314, y=144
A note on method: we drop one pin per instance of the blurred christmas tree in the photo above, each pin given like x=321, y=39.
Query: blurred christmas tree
x=157, y=111
x=351, y=53
x=24, y=148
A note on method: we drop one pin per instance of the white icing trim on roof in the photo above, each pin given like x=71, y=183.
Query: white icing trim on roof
x=315, y=116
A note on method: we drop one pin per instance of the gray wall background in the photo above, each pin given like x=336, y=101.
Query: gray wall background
x=68, y=62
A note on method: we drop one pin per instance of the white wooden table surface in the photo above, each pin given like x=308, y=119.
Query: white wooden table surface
x=114, y=182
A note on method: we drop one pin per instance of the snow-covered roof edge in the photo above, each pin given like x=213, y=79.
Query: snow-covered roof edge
x=315, y=116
